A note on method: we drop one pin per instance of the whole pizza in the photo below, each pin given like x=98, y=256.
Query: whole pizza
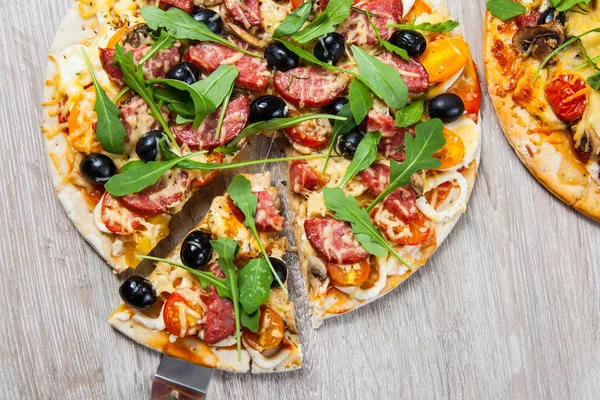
x=544, y=83
x=376, y=104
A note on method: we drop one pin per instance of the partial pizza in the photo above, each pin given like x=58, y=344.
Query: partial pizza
x=544, y=83
x=219, y=299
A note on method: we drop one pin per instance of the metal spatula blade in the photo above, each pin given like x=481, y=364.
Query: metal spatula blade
x=179, y=380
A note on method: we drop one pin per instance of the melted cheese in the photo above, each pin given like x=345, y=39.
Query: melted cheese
x=359, y=293
x=157, y=323
x=458, y=206
x=98, y=219
x=470, y=134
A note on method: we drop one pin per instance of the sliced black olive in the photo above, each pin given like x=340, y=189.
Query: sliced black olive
x=195, y=250
x=137, y=292
x=551, y=14
x=278, y=56
x=348, y=142
x=147, y=147
x=280, y=268
x=448, y=107
x=330, y=48
x=184, y=72
x=412, y=41
x=264, y=108
x=97, y=168
x=210, y=18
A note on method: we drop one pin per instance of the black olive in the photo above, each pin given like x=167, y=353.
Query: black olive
x=210, y=18
x=97, y=168
x=551, y=14
x=278, y=56
x=140, y=36
x=330, y=48
x=280, y=268
x=137, y=292
x=147, y=147
x=195, y=250
x=348, y=142
x=448, y=107
x=412, y=41
x=336, y=105
x=184, y=72
x=264, y=108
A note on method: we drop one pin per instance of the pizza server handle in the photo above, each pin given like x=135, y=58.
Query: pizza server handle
x=179, y=380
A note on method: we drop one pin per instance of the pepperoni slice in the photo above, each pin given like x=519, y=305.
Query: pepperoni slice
x=253, y=73
x=310, y=86
x=412, y=72
x=313, y=134
x=334, y=241
x=107, y=59
x=376, y=178
x=303, y=177
x=267, y=218
x=392, y=137
x=185, y=5
x=155, y=68
x=117, y=218
x=135, y=116
x=220, y=318
x=157, y=198
x=203, y=138
x=245, y=12
x=357, y=29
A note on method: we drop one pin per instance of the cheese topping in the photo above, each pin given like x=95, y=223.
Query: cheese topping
x=456, y=207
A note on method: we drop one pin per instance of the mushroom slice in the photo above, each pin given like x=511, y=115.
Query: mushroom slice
x=417, y=183
x=586, y=132
x=539, y=40
x=246, y=36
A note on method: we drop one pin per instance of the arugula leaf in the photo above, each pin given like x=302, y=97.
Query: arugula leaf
x=345, y=208
x=110, y=131
x=120, y=94
x=445, y=26
x=564, y=5
x=429, y=138
x=384, y=80
x=254, y=281
x=409, y=115
x=250, y=321
x=164, y=41
x=505, y=9
x=222, y=113
x=240, y=191
x=365, y=155
x=388, y=46
x=176, y=100
x=335, y=12
x=594, y=81
x=339, y=128
x=293, y=22
x=202, y=105
x=139, y=176
x=360, y=100
x=134, y=78
x=216, y=86
x=271, y=126
x=182, y=25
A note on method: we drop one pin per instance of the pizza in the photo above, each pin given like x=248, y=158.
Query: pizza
x=375, y=105
x=544, y=87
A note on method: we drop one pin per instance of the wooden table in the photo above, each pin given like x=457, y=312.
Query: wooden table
x=507, y=308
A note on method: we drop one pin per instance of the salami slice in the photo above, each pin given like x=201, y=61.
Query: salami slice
x=267, y=218
x=392, y=137
x=303, y=177
x=116, y=218
x=136, y=117
x=185, y=5
x=203, y=138
x=253, y=72
x=220, y=318
x=245, y=12
x=313, y=134
x=357, y=29
x=412, y=72
x=157, y=198
x=310, y=86
x=155, y=68
x=334, y=241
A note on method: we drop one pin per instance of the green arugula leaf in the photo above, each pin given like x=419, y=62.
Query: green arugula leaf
x=177, y=101
x=139, y=176
x=182, y=25
x=134, y=78
x=505, y=9
x=164, y=41
x=365, y=155
x=564, y=5
x=250, y=321
x=254, y=281
x=594, y=81
x=240, y=191
x=360, y=100
x=110, y=131
x=202, y=105
x=384, y=80
x=345, y=208
x=271, y=125
x=409, y=115
x=293, y=22
x=339, y=128
x=387, y=45
x=222, y=113
x=120, y=94
x=429, y=138
x=217, y=85
x=335, y=12
x=445, y=26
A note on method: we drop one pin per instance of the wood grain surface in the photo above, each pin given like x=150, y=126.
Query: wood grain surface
x=507, y=308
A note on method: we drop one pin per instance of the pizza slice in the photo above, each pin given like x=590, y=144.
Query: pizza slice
x=187, y=309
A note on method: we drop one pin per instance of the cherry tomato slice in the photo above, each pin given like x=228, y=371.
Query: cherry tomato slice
x=453, y=151
x=117, y=218
x=438, y=194
x=270, y=331
x=184, y=312
x=469, y=90
x=420, y=231
x=312, y=134
x=349, y=275
x=567, y=95
x=444, y=57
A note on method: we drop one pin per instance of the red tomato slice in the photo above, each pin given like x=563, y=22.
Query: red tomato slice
x=270, y=331
x=349, y=275
x=184, y=312
x=567, y=94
